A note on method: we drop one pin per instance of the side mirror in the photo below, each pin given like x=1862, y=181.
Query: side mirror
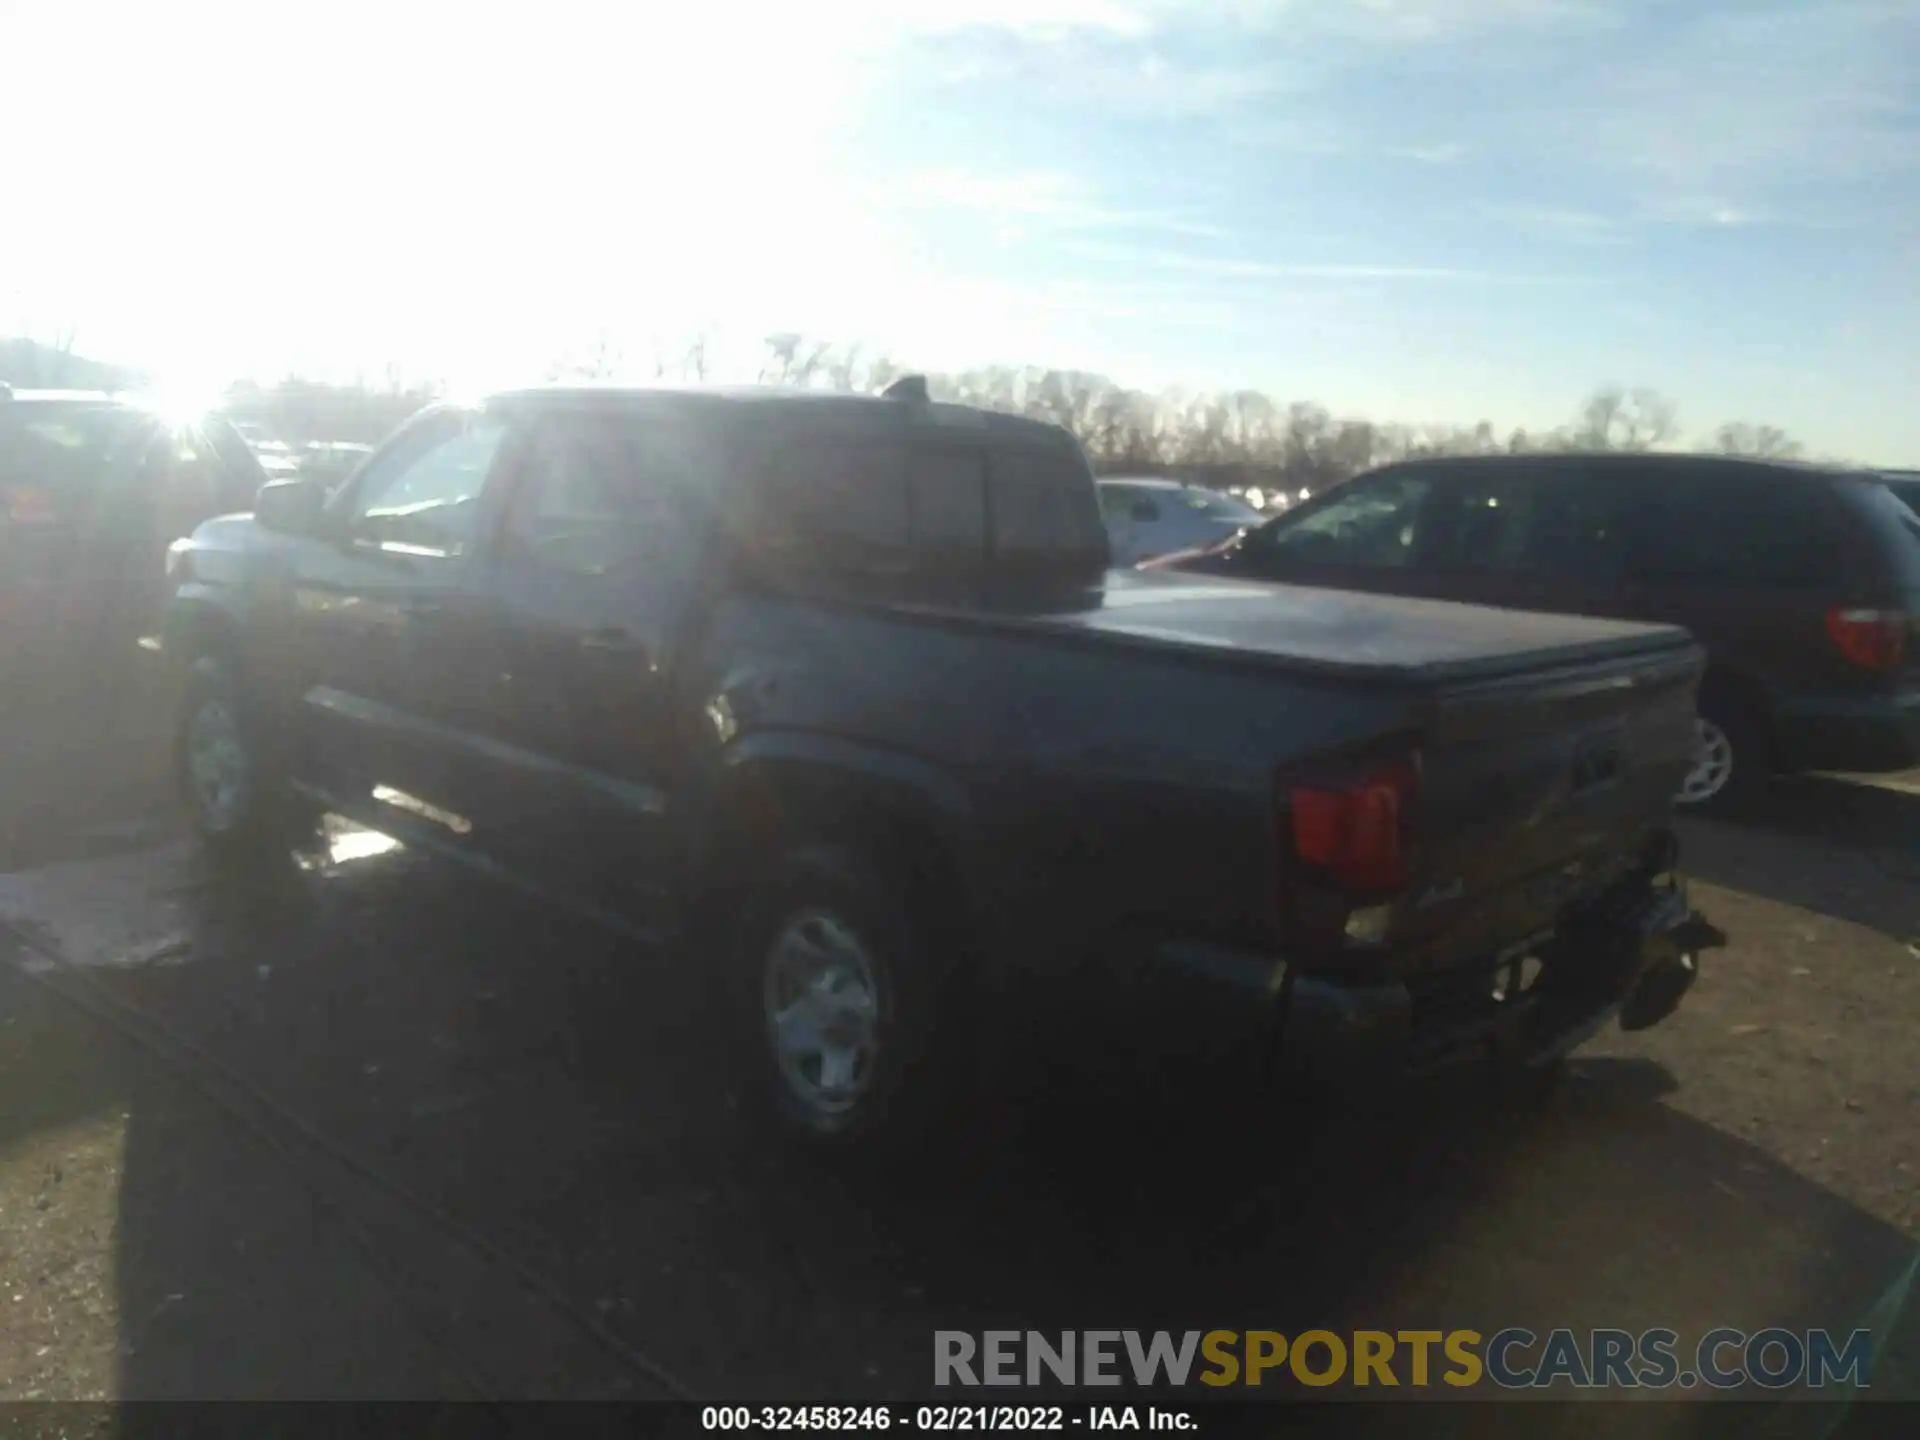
x=291, y=507
x=1145, y=510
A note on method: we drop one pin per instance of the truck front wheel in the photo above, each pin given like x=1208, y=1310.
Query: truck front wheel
x=235, y=792
x=836, y=976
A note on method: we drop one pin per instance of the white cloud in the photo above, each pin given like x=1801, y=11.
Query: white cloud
x=1226, y=268
x=1581, y=227
x=1446, y=153
x=1054, y=200
x=1420, y=21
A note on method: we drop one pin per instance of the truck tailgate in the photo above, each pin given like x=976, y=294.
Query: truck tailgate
x=1539, y=788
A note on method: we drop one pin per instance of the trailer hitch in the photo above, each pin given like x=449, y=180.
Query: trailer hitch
x=1670, y=961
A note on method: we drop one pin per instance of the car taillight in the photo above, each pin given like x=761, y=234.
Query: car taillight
x=27, y=505
x=1871, y=639
x=1356, y=833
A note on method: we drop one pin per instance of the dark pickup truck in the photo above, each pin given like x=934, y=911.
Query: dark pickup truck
x=837, y=698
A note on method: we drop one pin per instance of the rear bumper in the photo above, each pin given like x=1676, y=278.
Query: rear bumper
x=1632, y=956
x=1863, y=734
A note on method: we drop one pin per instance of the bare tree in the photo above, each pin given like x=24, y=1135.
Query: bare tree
x=1616, y=419
x=1237, y=438
x=1764, y=442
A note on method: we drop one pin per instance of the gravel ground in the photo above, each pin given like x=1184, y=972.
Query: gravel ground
x=256, y=1293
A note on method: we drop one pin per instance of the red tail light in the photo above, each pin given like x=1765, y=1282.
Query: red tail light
x=1871, y=639
x=27, y=505
x=1356, y=834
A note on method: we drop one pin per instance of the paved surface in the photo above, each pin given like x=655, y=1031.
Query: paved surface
x=154, y=1251
x=540, y=1080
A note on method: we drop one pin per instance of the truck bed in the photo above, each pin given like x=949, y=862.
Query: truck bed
x=1354, y=635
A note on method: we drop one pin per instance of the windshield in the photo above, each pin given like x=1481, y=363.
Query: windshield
x=61, y=443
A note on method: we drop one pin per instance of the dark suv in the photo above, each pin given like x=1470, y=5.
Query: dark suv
x=1803, y=583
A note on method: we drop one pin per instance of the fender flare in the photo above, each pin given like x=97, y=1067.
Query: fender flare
x=842, y=778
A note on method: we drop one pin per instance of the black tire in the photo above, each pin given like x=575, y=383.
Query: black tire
x=254, y=824
x=1735, y=722
x=826, y=893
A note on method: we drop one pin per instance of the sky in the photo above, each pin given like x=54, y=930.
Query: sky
x=1429, y=211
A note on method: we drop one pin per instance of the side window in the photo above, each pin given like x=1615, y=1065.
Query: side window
x=947, y=504
x=1734, y=529
x=1577, y=528
x=1375, y=522
x=600, y=499
x=1120, y=504
x=1506, y=519
x=835, y=500
x=1478, y=520
x=422, y=497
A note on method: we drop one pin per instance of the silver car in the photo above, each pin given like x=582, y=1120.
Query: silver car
x=1146, y=517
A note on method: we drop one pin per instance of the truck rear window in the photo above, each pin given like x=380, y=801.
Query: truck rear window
x=881, y=504
x=1045, y=511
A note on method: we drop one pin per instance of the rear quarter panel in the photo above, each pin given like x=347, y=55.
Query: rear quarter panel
x=1108, y=791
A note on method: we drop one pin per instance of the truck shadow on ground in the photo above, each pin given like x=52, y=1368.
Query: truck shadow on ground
x=543, y=1081
x=1847, y=849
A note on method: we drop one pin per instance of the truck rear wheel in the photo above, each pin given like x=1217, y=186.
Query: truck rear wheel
x=835, y=983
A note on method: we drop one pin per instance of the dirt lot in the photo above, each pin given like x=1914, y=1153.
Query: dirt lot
x=1755, y=1161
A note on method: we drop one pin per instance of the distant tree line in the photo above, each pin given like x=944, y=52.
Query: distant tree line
x=1234, y=438
x=298, y=410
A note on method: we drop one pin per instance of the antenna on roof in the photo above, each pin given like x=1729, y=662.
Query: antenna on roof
x=908, y=387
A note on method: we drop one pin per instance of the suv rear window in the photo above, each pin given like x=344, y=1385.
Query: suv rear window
x=1902, y=526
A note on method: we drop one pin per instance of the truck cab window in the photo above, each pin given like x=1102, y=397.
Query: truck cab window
x=829, y=502
x=596, y=500
x=422, y=498
x=1044, y=511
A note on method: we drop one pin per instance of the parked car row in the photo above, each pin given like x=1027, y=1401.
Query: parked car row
x=92, y=487
x=331, y=460
x=1803, y=583
x=838, y=701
